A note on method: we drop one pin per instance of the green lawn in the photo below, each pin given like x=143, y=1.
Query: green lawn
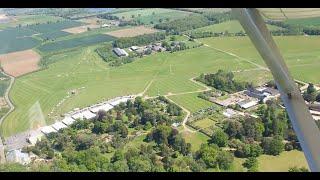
x=301, y=53
x=30, y=19
x=146, y=15
x=204, y=123
x=230, y=26
x=195, y=139
x=191, y=101
x=282, y=162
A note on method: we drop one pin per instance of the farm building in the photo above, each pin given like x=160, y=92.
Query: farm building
x=16, y=156
x=262, y=92
x=105, y=25
x=47, y=130
x=58, y=125
x=84, y=115
x=118, y=101
x=134, y=48
x=105, y=107
x=120, y=52
x=245, y=104
x=68, y=121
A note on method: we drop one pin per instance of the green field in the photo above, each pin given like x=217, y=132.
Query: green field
x=191, y=102
x=146, y=15
x=76, y=42
x=55, y=26
x=29, y=20
x=204, y=123
x=282, y=162
x=16, y=39
x=84, y=68
x=301, y=53
x=315, y=21
x=230, y=26
x=196, y=139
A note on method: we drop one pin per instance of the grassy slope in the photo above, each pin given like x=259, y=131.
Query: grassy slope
x=282, y=162
x=147, y=16
x=231, y=26
x=83, y=68
x=302, y=58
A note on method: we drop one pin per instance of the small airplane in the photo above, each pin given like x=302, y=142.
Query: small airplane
x=253, y=22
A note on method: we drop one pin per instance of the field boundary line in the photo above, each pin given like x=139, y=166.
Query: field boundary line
x=7, y=98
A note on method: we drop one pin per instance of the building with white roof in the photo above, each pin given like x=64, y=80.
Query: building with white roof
x=16, y=156
x=229, y=113
x=77, y=115
x=68, y=121
x=245, y=104
x=58, y=125
x=120, y=52
x=88, y=114
x=118, y=101
x=47, y=130
x=34, y=138
x=105, y=107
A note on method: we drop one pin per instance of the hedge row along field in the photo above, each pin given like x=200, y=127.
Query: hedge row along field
x=76, y=42
x=16, y=39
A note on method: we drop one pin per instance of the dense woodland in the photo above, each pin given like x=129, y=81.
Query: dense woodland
x=138, y=40
x=223, y=81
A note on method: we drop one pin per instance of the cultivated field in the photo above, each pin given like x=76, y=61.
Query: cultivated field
x=16, y=39
x=80, y=29
x=29, y=20
x=131, y=32
x=75, y=42
x=20, y=63
x=230, y=26
x=147, y=16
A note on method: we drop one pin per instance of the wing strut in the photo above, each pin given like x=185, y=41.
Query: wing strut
x=301, y=119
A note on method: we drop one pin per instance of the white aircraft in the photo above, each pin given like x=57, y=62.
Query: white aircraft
x=302, y=121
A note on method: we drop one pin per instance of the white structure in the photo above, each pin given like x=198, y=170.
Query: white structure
x=105, y=25
x=47, y=130
x=118, y=101
x=134, y=48
x=33, y=139
x=247, y=104
x=87, y=114
x=58, y=125
x=229, y=113
x=68, y=121
x=16, y=156
x=120, y=52
x=105, y=107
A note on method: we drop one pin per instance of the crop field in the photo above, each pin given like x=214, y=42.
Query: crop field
x=131, y=32
x=16, y=39
x=56, y=26
x=282, y=162
x=76, y=42
x=191, y=101
x=29, y=20
x=20, y=62
x=3, y=86
x=146, y=15
x=230, y=26
x=80, y=29
x=301, y=53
